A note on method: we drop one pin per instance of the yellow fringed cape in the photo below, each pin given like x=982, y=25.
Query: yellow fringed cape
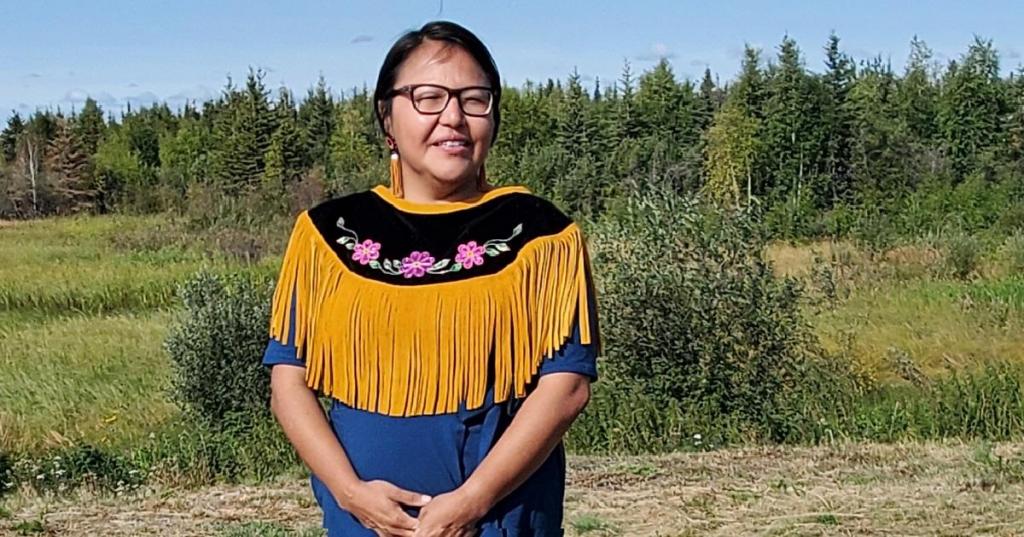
x=408, y=309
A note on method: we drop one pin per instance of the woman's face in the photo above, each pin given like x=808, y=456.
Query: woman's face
x=418, y=136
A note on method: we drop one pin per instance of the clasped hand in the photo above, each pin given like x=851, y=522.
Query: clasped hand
x=378, y=506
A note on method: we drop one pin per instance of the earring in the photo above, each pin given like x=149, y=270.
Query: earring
x=396, y=169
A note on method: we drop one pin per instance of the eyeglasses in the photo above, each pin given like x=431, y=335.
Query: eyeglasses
x=433, y=99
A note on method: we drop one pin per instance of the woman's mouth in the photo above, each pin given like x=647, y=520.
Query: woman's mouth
x=453, y=147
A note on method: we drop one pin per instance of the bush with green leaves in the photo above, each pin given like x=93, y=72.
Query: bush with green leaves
x=693, y=313
x=215, y=346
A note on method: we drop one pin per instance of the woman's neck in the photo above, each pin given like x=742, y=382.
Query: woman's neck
x=430, y=191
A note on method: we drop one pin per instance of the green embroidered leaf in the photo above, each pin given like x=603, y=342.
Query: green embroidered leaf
x=456, y=267
x=440, y=264
x=492, y=251
x=375, y=264
x=502, y=247
x=350, y=245
x=517, y=230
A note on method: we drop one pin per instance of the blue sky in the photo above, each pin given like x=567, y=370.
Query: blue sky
x=55, y=52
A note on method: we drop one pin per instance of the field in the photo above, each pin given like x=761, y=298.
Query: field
x=915, y=489
x=85, y=304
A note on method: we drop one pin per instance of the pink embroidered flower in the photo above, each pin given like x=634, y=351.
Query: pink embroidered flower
x=366, y=251
x=416, y=264
x=470, y=254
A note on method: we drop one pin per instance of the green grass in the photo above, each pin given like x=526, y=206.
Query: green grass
x=85, y=304
x=586, y=523
x=69, y=265
x=84, y=307
x=940, y=325
x=97, y=378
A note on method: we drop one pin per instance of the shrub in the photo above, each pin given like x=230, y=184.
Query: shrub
x=215, y=345
x=695, y=315
x=962, y=256
x=71, y=467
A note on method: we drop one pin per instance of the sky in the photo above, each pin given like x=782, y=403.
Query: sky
x=54, y=53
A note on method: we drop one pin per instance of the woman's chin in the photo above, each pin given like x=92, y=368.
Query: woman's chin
x=451, y=176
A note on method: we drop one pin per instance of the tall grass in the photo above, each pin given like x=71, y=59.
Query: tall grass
x=85, y=304
x=100, y=379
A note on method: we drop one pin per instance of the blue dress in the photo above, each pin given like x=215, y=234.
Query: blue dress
x=434, y=454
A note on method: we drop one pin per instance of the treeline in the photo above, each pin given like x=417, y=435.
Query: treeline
x=854, y=149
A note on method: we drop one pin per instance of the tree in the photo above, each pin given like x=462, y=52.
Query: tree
x=30, y=154
x=837, y=124
x=9, y=137
x=879, y=152
x=971, y=106
x=317, y=121
x=627, y=117
x=750, y=87
x=68, y=165
x=730, y=149
x=286, y=159
x=916, y=94
x=709, y=101
x=357, y=154
x=791, y=131
x=89, y=126
x=1014, y=122
x=241, y=135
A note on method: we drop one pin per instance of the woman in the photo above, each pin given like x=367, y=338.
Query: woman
x=452, y=323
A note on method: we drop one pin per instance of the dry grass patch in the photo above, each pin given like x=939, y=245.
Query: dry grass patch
x=909, y=489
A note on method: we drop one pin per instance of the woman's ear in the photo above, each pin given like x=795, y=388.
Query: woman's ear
x=385, y=114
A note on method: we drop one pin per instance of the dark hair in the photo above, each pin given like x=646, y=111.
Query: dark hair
x=446, y=32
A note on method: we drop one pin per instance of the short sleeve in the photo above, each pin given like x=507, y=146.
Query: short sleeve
x=283, y=353
x=574, y=356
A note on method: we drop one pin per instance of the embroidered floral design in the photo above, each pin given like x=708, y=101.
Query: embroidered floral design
x=366, y=251
x=417, y=263
x=470, y=254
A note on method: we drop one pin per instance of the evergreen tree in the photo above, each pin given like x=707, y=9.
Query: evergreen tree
x=67, y=164
x=879, y=151
x=576, y=130
x=791, y=131
x=627, y=117
x=357, y=151
x=917, y=94
x=242, y=131
x=750, y=90
x=9, y=137
x=316, y=117
x=708, y=101
x=89, y=126
x=971, y=106
x=837, y=124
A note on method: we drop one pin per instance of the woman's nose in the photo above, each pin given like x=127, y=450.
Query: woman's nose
x=452, y=113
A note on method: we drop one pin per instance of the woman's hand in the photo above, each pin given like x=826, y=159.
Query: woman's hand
x=378, y=506
x=453, y=514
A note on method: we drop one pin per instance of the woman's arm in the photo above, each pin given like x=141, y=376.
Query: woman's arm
x=374, y=503
x=536, y=429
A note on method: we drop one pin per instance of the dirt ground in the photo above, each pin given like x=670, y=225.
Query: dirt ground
x=855, y=489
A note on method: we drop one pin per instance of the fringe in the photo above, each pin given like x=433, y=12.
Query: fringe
x=423, y=349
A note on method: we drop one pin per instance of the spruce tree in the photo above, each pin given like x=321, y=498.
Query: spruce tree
x=67, y=164
x=9, y=137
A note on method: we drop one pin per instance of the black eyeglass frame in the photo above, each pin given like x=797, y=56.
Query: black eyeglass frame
x=408, y=90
